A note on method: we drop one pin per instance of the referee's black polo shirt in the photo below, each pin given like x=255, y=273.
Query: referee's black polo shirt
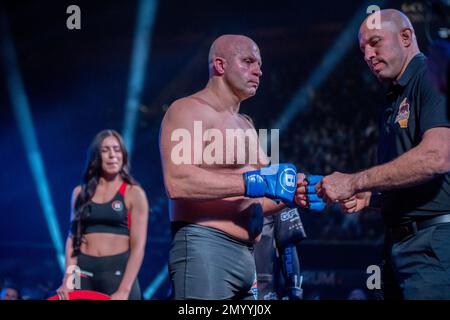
x=415, y=106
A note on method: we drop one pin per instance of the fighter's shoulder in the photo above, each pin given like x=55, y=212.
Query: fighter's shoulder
x=189, y=105
x=248, y=120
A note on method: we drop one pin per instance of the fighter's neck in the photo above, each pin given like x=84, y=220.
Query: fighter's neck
x=221, y=97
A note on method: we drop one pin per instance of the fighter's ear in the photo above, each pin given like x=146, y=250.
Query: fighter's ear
x=219, y=65
x=406, y=36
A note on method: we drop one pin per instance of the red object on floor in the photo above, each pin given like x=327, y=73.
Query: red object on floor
x=84, y=295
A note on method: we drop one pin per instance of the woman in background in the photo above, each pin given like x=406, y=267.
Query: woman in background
x=108, y=224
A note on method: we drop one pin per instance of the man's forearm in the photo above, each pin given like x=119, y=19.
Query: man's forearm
x=412, y=168
x=201, y=184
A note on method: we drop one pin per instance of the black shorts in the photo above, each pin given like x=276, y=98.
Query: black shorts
x=104, y=274
x=207, y=264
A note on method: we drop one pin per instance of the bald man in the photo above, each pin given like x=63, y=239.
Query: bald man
x=412, y=179
x=216, y=215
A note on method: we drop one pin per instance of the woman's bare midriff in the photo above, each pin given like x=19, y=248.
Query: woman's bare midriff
x=104, y=244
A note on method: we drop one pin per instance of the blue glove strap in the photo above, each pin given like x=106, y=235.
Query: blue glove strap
x=254, y=184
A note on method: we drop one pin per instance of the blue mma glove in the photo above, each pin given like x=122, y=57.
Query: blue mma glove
x=315, y=202
x=277, y=182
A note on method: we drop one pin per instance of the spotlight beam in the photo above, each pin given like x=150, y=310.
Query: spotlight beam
x=21, y=108
x=141, y=51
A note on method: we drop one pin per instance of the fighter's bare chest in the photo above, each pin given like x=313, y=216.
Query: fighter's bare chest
x=230, y=142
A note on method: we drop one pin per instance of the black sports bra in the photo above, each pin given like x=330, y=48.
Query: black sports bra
x=110, y=217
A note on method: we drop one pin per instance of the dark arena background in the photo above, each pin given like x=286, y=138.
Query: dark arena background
x=122, y=69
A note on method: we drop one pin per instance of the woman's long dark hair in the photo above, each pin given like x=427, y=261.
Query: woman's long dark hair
x=90, y=181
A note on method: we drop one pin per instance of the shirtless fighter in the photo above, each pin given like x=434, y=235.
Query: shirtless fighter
x=219, y=192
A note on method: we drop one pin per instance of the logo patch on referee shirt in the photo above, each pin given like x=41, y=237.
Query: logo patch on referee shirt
x=403, y=114
x=117, y=205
